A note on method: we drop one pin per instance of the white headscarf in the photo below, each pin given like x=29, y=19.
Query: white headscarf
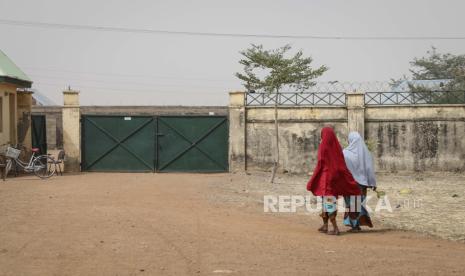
x=359, y=161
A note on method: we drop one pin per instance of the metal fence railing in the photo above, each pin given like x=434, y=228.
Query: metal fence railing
x=296, y=99
x=376, y=93
x=415, y=97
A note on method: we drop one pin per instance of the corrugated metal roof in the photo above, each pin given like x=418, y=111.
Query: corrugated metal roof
x=9, y=69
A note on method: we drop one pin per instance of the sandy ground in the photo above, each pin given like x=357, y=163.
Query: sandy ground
x=428, y=203
x=183, y=224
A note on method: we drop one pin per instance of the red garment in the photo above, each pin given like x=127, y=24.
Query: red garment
x=331, y=176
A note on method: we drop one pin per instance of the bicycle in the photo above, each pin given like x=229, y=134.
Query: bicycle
x=42, y=166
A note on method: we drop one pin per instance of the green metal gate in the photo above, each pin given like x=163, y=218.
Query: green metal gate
x=164, y=144
x=118, y=143
x=192, y=144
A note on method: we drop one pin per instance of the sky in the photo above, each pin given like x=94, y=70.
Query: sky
x=124, y=68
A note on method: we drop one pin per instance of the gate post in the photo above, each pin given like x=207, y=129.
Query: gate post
x=356, y=112
x=71, y=130
x=237, y=132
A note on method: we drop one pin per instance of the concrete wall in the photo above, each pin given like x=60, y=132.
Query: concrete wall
x=54, y=123
x=411, y=138
x=407, y=138
x=154, y=110
x=8, y=133
x=299, y=135
x=417, y=138
x=24, y=104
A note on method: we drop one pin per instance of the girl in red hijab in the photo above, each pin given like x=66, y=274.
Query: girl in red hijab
x=331, y=178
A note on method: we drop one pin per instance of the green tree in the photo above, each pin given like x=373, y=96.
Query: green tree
x=270, y=71
x=438, y=66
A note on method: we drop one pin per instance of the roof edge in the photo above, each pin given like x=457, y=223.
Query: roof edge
x=20, y=83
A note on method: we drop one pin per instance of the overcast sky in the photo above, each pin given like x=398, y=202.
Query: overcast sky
x=115, y=68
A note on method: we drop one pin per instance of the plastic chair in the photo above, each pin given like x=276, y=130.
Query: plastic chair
x=3, y=168
x=60, y=161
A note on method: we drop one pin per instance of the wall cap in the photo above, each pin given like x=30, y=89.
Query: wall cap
x=71, y=92
x=71, y=106
x=296, y=107
x=413, y=105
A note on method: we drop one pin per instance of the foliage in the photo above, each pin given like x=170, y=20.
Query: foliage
x=271, y=70
x=437, y=66
x=440, y=66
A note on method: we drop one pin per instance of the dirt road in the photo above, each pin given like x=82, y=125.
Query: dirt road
x=167, y=224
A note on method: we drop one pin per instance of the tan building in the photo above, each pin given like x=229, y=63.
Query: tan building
x=15, y=103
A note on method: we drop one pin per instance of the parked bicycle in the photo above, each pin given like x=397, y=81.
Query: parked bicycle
x=42, y=166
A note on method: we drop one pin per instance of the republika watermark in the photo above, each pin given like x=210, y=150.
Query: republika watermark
x=310, y=203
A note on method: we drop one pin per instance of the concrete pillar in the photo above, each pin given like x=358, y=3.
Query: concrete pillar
x=237, y=132
x=51, y=123
x=356, y=112
x=71, y=131
x=24, y=106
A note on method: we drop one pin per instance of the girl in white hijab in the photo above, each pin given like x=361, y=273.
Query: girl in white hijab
x=360, y=163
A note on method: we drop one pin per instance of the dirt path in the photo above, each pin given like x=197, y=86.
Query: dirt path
x=167, y=224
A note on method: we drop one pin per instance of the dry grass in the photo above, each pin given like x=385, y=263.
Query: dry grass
x=434, y=203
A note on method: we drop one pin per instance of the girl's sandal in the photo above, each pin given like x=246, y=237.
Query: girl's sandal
x=323, y=229
x=332, y=232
